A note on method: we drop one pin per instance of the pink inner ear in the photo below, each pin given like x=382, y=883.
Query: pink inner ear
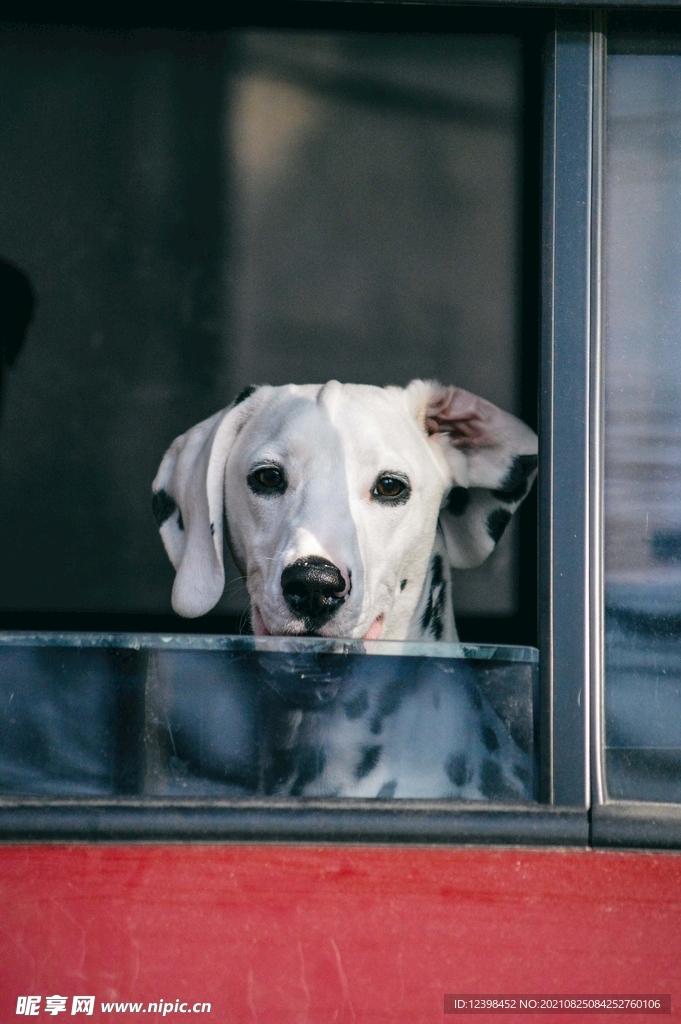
x=471, y=422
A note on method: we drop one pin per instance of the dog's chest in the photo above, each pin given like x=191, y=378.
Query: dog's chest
x=426, y=732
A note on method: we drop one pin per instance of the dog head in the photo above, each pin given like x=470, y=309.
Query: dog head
x=332, y=496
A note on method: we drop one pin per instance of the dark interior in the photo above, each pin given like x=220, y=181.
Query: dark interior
x=281, y=198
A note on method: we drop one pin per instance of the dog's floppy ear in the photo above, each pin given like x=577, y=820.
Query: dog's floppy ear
x=188, y=503
x=491, y=457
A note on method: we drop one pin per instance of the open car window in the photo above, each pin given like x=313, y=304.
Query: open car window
x=201, y=212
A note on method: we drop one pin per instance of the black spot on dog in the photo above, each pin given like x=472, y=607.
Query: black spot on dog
x=491, y=781
x=457, y=769
x=522, y=773
x=437, y=628
x=246, y=393
x=476, y=699
x=497, y=522
x=514, y=484
x=457, y=500
x=493, y=784
x=212, y=529
x=427, y=616
x=389, y=700
x=163, y=506
x=180, y=520
x=280, y=770
x=368, y=761
x=387, y=790
x=357, y=705
x=403, y=584
x=432, y=615
x=489, y=738
x=310, y=764
x=436, y=570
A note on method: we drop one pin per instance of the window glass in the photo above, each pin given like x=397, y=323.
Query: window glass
x=94, y=715
x=643, y=420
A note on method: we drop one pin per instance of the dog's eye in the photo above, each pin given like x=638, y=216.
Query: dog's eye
x=392, y=489
x=267, y=480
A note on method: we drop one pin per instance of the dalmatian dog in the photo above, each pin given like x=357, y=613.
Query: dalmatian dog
x=344, y=507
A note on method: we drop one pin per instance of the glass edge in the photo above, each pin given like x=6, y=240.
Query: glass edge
x=273, y=645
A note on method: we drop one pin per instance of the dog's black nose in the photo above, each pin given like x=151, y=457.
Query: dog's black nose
x=313, y=589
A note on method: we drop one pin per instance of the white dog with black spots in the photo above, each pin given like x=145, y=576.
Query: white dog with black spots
x=345, y=505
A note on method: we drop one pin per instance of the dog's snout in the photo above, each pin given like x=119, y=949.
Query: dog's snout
x=313, y=588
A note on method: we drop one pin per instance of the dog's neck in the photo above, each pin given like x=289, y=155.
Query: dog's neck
x=433, y=618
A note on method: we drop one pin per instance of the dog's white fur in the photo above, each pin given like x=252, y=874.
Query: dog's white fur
x=333, y=442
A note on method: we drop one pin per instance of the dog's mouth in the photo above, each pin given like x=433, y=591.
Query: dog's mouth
x=374, y=632
x=259, y=627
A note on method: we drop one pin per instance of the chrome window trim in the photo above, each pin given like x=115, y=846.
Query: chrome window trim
x=597, y=419
x=565, y=464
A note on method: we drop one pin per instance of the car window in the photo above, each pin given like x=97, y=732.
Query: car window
x=642, y=418
x=196, y=213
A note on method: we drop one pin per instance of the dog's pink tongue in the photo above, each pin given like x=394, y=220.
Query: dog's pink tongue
x=259, y=627
x=375, y=631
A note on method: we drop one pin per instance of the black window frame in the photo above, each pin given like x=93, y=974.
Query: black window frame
x=563, y=292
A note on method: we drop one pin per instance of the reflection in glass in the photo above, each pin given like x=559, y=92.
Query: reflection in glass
x=643, y=425
x=97, y=715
